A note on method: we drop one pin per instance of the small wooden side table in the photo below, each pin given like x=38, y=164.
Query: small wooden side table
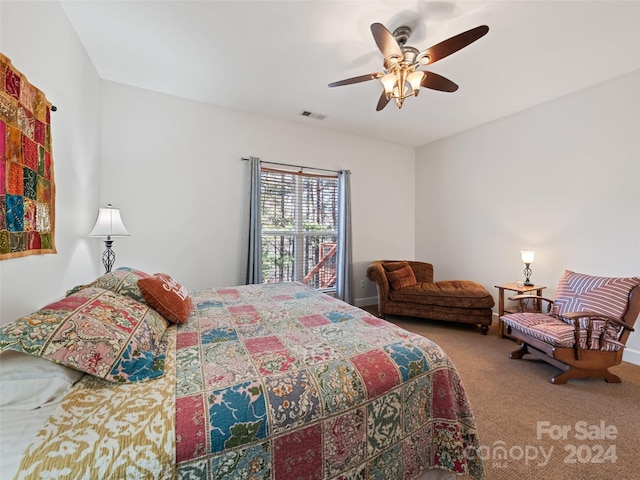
x=520, y=290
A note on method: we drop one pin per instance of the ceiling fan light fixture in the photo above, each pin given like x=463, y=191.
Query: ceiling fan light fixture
x=402, y=83
x=423, y=59
x=414, y=79
x=392, y=62
x=389, y=81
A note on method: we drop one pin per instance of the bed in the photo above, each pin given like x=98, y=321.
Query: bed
x=274, y=381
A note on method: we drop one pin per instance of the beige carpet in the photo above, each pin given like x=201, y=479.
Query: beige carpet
x=519, y=411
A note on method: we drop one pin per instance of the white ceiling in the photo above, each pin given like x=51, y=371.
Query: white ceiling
x=276, y=58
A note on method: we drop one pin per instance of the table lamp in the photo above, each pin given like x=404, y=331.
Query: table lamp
x=527, y=259
x=108, y=225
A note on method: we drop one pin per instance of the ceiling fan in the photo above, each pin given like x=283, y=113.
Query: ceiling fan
x=402, y=77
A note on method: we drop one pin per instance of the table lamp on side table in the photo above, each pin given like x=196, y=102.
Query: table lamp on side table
x=527, y=259
x=109, y=224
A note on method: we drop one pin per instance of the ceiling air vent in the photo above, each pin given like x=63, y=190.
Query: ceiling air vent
x=317, y=116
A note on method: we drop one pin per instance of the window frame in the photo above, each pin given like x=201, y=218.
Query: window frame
x=300, y=234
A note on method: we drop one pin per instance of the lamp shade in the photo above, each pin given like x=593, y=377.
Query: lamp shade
x=109, y=224
x=388, y=82
x=414, y=78
x=527, y=256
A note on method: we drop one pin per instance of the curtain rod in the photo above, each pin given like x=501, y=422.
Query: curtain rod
x=296, y=166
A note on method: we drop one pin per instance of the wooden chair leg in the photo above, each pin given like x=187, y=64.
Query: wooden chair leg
x=573, y=372
x=611, y=378
x=521, y=352
x=561, y=378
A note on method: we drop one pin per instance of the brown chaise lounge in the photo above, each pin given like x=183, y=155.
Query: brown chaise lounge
x=407, y=288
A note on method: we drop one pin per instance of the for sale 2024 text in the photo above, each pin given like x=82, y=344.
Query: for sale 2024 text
x=584, y=432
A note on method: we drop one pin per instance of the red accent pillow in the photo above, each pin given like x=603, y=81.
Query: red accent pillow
x=167, y=296
x=402, y=277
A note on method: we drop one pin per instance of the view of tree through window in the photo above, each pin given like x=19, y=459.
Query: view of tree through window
x=299, y=228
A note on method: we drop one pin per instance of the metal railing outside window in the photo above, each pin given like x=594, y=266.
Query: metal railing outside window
x=299, y=228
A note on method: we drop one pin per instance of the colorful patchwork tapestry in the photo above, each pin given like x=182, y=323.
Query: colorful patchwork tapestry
x=27, y=190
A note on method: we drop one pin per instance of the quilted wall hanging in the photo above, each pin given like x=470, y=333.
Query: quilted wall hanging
x=27, y=189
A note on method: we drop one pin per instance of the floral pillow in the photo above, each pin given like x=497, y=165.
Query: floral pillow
x=124, y=281
x=95, y=331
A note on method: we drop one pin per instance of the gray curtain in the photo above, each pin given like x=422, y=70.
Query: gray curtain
x=344, y=277
x=254, y=253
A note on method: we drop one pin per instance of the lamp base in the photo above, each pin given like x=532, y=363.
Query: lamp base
x=527, y=274
x=108, y=257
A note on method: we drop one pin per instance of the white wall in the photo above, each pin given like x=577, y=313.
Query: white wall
x=562, y=179
x=173, y=168
x=41, y=43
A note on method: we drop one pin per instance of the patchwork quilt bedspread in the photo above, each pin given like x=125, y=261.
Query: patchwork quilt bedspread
x=271, y=381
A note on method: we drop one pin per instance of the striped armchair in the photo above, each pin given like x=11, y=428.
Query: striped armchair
x=585, y=328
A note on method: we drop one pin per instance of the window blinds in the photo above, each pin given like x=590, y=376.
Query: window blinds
x=299, y=227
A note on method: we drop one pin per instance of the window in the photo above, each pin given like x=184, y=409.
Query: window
x=299, y=228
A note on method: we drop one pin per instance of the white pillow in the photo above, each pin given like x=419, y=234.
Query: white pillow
x=28, y=382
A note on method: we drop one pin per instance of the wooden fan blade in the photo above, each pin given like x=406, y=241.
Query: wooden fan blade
x=385, y=41
x=453, y=44
x=438, y=82
x=382, y=102
x=361, y=78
